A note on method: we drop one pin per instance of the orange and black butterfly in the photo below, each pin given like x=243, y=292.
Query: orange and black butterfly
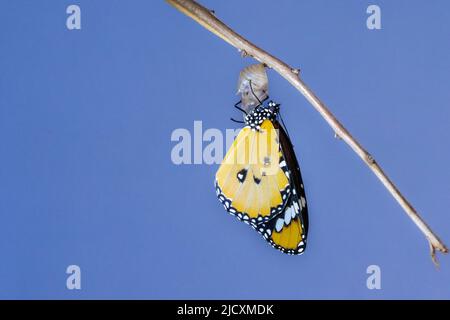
x=259, y=180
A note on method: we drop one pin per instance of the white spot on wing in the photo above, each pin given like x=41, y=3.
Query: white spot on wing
x=293, y=213
x=303, y=201
x=279, y=225
x=288, y=215
x=296, y=207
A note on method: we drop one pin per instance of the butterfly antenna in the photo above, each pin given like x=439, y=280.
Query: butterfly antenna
x=254, y=94
x=240, y=109
x=237, y=121
x=236, y=105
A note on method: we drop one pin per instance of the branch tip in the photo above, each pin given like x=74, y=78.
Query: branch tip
x=433, y=255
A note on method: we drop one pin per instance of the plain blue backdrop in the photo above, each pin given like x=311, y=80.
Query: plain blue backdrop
x=86, y=176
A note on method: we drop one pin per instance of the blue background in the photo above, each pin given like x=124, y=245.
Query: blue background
x=86, y=176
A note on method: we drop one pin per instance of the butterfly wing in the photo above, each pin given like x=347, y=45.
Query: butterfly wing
x=250, y=182
x=288, y=230
x=295, y=177
x=285, y=232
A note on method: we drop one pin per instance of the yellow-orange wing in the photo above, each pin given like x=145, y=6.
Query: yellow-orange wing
x=250, y=182
x=288, y=230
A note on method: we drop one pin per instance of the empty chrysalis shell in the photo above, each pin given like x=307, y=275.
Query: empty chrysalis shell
x=253, y=86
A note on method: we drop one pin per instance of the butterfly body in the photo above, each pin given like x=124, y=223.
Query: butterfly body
x=259, y=181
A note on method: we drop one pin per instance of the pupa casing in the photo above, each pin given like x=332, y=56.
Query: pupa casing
x=253, y=86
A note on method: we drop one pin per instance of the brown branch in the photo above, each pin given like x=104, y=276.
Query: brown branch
x=208, y=20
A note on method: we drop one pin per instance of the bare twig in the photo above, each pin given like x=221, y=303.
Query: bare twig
x=208, y=20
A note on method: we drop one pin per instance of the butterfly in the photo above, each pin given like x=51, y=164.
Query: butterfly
x=259, y=180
